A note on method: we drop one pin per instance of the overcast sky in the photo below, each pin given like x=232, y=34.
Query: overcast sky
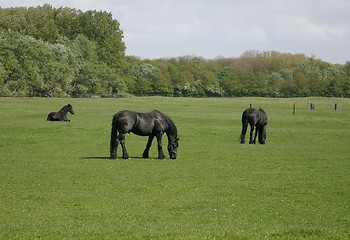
x=224, y=28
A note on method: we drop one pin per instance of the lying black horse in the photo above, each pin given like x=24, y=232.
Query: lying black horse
x=255, y=118
x=61, y=115
x=152, y=124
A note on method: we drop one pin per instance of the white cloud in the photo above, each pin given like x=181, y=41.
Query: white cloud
x=306, y=26
x=252, y=33
x=163, y=28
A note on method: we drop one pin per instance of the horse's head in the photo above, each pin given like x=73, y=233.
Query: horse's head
x=172, y=148
x=70, y=108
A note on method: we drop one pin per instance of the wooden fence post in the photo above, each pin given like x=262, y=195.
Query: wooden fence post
x=336, y=105
x=293, y=108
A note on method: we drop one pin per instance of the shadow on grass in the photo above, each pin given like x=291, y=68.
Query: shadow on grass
x=96, y=158
x=119, y=158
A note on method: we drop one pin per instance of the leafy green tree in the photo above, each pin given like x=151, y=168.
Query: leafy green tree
x=230, y=83
x=29, y=57
x=47, y=51
x=49, y=24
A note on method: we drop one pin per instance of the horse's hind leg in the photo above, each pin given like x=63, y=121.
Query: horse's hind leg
x=244, y=131
x=148, y=146
x=251, y=135
x=256, y=133
x=121, y=140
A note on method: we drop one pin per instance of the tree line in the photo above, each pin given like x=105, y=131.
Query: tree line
x=56, y=52
x=59, y=52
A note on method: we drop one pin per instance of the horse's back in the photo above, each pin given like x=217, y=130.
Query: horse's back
x=124, y=120
x=124, y=116
x=142, y=124
x=263, y=116
x=52, y=116
x=254, y=116
x=127, y=115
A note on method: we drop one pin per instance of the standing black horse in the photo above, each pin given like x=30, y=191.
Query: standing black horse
x=255, y=118
x=152, y=124
x=61, y=115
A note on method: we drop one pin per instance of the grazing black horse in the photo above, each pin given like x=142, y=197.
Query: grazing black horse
x=152, y=124
x=61, y=115
x=255, y=118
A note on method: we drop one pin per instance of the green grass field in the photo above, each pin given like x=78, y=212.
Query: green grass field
x=56, y=180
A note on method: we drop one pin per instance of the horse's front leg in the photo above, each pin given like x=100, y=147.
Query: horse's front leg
x=160, y=148
x=256, y=133
x=251, y=135
x=148, y=146
x=121, y=140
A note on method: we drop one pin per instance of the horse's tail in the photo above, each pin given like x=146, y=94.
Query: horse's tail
x=113, y=142
x=244, y=126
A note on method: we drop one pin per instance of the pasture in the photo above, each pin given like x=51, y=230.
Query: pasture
x=57, y=182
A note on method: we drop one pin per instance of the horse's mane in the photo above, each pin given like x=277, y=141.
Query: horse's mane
x=64, y=108
x=170, y=122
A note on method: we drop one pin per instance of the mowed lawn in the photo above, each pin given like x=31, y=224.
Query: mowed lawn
x=56, y=181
